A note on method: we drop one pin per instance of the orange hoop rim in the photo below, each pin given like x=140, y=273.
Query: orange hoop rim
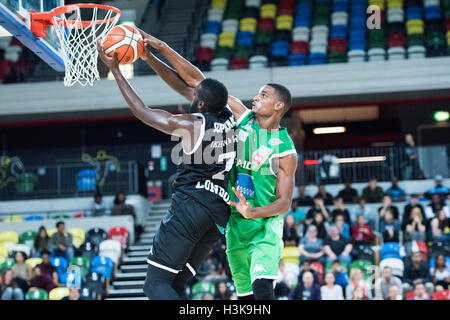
x=50, y=17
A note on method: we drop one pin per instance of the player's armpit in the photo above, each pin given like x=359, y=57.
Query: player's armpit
x=285, y=189
x=237, y=107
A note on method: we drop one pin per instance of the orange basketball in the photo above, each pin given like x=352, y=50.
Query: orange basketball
x=126, y=41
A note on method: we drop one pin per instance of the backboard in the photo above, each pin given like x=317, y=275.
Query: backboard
x=14, y=18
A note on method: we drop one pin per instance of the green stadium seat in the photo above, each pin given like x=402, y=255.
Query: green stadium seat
x=83, y=263
x=39, y=294
x=203, y=287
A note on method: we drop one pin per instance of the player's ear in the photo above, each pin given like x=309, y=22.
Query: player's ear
x=201, y=106
x=279, y=106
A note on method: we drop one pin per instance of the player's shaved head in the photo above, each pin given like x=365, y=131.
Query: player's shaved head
x=213, y=94
x=284, y=95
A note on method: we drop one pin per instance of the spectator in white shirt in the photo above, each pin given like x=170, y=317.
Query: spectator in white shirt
x=331, y=291
x=383, y=284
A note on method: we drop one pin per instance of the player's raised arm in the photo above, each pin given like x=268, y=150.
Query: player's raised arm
x=186, y=70
x=285, y=189
x=179, y=125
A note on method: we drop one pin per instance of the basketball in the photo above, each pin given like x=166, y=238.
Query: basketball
x=126, y=41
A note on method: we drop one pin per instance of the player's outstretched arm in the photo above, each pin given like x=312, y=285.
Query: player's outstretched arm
x=285, y=189
x=186, y=70
x=189, y=73
x=179, y=125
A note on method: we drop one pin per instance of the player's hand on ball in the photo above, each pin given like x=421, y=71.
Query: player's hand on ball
x=242, y=206
x=111, y=62
x=150, y=40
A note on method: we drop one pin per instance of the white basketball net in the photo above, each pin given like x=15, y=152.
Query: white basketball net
x=78, y=39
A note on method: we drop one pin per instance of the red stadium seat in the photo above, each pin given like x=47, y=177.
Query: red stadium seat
x=423, y=250
x=318, y=267
x=238, y=63
x=286, y=7
x=447, y=24
x=204, y=54
x=338, y=45
x=120, y=234
x=442, y=295
x=80, y=215
x=266, y=24
x=299, y=47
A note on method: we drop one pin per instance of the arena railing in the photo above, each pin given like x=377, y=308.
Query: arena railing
x=74, y=180
x=359, y=165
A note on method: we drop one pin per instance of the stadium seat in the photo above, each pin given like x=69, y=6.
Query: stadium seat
x=79, y=216
x=208, y=40
x=227, y=39
x=39, y=294
x=83, y=263
x=268, y=11
x=258, y=61
x=9, y=239
x=238, y=63
x=364, y=265
x=441, y=295
x=7, y=264
x=13, y=219
x=78, y=236
x=88, y=249
x=4, y=252
x=343, y=267
x=111, y=249
x=58, y=293
x=50, y=232
x=219, y=64
x=96, y=236
x=34, y=218
x=248, y=24
x=74, y=276
x=33, y=262
x=291, y=255
x=97, y=284
x=120, y=234
x=59, y=263
x=103, y=265
x=395, y=264
x=200, y=288
x=284, y=22
x=318, y=267
x=21, y=248
x=390, y=250
x=230, y=26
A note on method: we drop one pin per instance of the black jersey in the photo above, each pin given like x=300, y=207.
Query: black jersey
x=203, y=173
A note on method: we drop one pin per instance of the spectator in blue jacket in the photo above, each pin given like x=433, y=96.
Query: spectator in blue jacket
x=340, y=277
x=439, y=188
x=396, y=193
x=306, y=289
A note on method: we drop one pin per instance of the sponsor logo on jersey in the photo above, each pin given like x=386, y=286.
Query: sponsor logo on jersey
x=259, y=268
x=244, y=164
x=260, y=156
x=275, y=142
x=245, y=185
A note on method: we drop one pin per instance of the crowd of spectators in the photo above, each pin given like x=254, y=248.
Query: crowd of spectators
x=21, y=277
x=330, y=232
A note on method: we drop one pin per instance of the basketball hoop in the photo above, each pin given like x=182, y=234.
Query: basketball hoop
x=78, y=36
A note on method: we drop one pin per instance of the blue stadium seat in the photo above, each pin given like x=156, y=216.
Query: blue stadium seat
x=212, y=27
x=34, y=218
x=102, y=265
x=390, y=250
x=245, y=38
x=280, y=48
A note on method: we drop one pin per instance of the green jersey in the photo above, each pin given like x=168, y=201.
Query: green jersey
x=254, y=246
x=253, y=173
